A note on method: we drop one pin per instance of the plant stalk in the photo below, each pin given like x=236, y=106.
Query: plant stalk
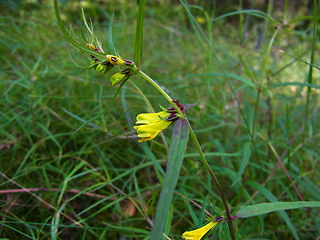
x=198, y=146
x=166, y=95
x=215, y=180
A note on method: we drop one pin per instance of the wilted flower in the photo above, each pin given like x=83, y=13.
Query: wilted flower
x=200, y=232
x=151, y=124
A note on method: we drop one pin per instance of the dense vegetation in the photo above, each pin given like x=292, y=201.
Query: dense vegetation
x=253, y=74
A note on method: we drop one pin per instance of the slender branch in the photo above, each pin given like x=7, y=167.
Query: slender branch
x=215, y=180
x=156, y=85
x=289, y=177
x=28, y=190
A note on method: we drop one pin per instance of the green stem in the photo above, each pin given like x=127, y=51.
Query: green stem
x=261, y=83
x=198, y=146
x=166, y=95
x=310, y=74
x=215, y=180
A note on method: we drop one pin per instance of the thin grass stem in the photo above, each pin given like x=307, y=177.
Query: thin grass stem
x=289, y=177
x=265, y=63
x=310, y=74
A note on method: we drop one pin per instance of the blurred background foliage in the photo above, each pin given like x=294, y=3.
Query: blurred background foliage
x=45, y=98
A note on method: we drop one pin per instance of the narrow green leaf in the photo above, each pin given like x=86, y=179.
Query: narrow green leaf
x=149, y=153
x=312, y=54
x=213, y=154
x=202, y=215
x=285, y=84
x=86, y=23
x=255, y=13
x=16, y=230
x=244, y=162
x=178, y=145
x=169, y=221
x=126, y=229
x=85, y=122
x=264, y=208
x=110, y=38
x=269, y=195
x=229, y=75
x=55, y=223
x=138, y=47
x=50, y=135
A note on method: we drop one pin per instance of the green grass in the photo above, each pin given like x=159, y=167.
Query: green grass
x=99, y=182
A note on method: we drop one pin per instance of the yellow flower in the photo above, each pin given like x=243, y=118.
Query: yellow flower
x=118, y=61
x=151, y=124
x=200, y=232
x=200, y=20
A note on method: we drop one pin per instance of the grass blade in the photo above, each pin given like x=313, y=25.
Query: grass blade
x=178, y=145
x=244, y=162
x=265, y=192
x=310, y=74
x=264, y=208
x=138, y=46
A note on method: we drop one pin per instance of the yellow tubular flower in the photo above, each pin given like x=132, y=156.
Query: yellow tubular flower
x=151, y=124
x=200, y=232
x=118, y=61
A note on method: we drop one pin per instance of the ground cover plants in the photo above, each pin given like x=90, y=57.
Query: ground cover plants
x=159, y=119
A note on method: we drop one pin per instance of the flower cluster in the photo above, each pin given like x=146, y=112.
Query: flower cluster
x=100, y=61
x=106, y=65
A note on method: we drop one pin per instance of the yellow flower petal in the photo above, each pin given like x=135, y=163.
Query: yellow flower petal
x=151, y=124
x=200, y=232
x=115, y=60
x=147, y=118
x=144, y=135
x=150, y=131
